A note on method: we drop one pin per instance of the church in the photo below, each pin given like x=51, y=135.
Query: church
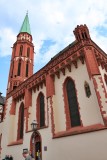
x=65, y=101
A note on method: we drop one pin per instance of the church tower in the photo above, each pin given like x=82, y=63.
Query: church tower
x=22, y=59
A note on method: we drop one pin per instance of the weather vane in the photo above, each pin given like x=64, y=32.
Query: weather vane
x=27, y=12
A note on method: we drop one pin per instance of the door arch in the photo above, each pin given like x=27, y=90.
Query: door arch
x=36, y=145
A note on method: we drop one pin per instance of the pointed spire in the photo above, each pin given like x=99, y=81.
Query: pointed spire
x=25, y=26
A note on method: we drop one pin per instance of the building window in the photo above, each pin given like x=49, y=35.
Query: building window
x=28, y=52
x=41, y=110
x=105, y=78
x=19, y=68
x=72, y=103
x=21, y=121
x=85, y=35
x=21, y=50
x=27, y=68
x=87, y=89
x=12, y=69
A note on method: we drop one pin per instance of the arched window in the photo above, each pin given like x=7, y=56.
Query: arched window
x=105, y=78
x=27, y=68
x=28, y=52
x=21, y=50
x=85, y=35
x=12, y=69
x=72, y=103
x=21, y=121
x=19, y=68
x=41, y=110
x=87, y=89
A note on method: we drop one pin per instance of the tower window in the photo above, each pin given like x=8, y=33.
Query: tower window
x=27, y=68
x=72, y=103
x=12, y=69
x=28, y=52
x=19, y=68
x=87, y=89
x=21, y=50
x=85, y=35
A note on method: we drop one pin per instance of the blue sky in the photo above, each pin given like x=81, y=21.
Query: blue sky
x=52, y=24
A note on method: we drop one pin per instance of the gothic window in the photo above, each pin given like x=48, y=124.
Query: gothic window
x=87, y=89
x=21, y=121
x=83, y=35
x=12, y=69
x=27, y=68
x=28, y=52
x=72, y=103
x=41, y=110
x=21, y=50
x=19, y=68
x=105, y=77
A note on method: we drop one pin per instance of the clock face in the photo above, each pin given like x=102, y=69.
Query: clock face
x=1, y=109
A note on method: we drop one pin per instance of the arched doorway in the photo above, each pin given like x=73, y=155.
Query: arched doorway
x=36, y=145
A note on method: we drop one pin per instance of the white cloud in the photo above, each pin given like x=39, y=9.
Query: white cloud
x=7, y=38
x=54, y=20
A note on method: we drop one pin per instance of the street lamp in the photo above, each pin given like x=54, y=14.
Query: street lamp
x=34, y=125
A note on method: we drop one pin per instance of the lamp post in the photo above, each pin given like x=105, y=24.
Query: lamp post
x=34, y=125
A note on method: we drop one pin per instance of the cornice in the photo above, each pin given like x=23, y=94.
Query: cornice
x=101, y=52
x=101, y=57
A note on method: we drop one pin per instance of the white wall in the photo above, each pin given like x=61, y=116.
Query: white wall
x=89, y=107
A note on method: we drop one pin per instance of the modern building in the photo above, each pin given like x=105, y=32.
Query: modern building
x=67, y=98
